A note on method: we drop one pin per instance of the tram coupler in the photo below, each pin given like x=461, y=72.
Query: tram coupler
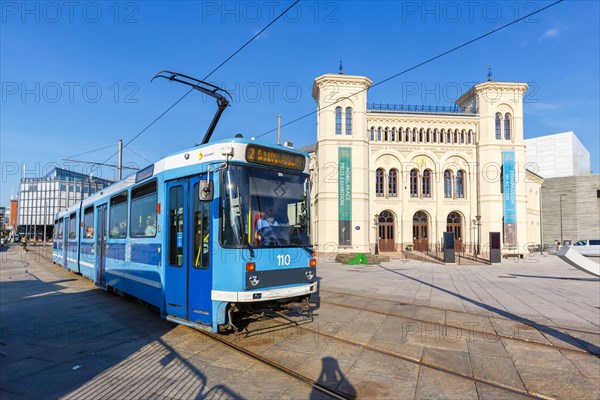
x=303, y=305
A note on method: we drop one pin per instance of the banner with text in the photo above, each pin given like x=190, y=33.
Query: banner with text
x=510, y=198
x=345, y=195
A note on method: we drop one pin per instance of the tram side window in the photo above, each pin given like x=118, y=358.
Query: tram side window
x=143, y=211
x=88, y=223
x=201, y=230
x=72, y=227
x=176, y=226
x=59, y=231
x=118, y=216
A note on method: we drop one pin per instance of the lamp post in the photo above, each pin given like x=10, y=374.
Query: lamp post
x=45, y=220
x=561, y=219
x=376, y=234
x=541, y=229
x=478, y=219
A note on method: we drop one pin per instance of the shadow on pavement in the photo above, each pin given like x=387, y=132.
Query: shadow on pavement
x=577, y=342
x=72, y=340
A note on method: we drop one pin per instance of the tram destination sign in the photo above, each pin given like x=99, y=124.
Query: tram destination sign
x=275, y=157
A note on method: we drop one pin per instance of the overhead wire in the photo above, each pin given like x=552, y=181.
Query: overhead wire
x=91, y=151
x=206, y=77
x=417, y=65
x=138, y=154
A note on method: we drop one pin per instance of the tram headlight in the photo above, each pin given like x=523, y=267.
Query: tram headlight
x=253, y=280
x=309, y=275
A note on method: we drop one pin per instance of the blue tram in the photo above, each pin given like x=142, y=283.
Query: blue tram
x=201, y=234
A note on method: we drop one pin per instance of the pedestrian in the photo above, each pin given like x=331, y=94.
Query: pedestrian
x=24, y=243
x=556, y=245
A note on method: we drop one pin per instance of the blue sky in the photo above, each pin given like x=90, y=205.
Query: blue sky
x=76, y=78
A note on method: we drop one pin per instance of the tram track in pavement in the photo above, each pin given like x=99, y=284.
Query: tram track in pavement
x=398, y=356
x=472, y=330
x=400, y=303
x=333, y=393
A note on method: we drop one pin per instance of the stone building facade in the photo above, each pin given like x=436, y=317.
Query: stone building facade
x=393, y=177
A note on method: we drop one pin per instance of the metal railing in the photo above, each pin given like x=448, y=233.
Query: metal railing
x=455, y=109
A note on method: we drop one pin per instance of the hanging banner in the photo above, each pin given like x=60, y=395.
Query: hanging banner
x=345, y=195
x=510, y=198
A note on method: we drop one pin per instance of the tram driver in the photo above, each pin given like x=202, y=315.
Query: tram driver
x=265, y=227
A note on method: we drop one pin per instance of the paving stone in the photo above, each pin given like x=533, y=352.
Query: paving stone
x=568, y=384
x=453, y=360
x=439, y=385
x=498, y=370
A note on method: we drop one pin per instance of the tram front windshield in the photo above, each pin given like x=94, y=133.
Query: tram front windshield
x=264, y=208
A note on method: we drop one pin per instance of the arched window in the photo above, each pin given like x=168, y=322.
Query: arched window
x=428, y=138
x=469, y=137
x=338, y=120
x=379, y=134
x=393, y=183
x=348, y=120
x=372, y=134
x=462, y=137
x=498, y=126
x=447, y=183
x=386, y=136
x=460, y=184
x=414, y=183
x=393, y=134
x=426, y=186
x=435, y=136
x=448, y=137
x=507, y=126
x=379, y=182
x=456, y=136
x=407, y=134
x=420, y=135
x=414, y=135
x=442, y=136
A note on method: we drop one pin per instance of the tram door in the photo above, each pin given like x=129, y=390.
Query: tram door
x=101, y=233
x=188, y=278
x=66, y=246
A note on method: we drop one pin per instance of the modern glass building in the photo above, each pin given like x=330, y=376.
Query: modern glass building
x=41, y=198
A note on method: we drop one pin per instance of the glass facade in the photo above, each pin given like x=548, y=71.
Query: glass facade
x=41, y=198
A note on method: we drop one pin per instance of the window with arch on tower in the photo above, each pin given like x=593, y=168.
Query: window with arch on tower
x=372, y=134
x=348, y=120
x=414, y=135
x=507, y=126
x=460, y=184
x=447, y=183
x=498, y=126
x=448, y=137
x=338, y=120
x=393, y=183
x=407, y=134
x=426, y=186
x=414, y=183
x=393, y=134
x=469, y=137
x=386, y=136
x=428, y=137
x=455, y=137
x=379, y=175
x=435, y=132
x=379, y=134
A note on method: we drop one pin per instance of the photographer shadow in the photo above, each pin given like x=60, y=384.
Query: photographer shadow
x=331, y=377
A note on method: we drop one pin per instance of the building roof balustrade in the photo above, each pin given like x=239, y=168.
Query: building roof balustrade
x=420, y=109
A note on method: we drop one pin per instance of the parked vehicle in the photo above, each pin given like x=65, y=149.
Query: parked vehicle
x=587, y=247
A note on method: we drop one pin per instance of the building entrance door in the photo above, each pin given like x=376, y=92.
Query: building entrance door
x=454, y=225
x=420, y=231
x=386, y=232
